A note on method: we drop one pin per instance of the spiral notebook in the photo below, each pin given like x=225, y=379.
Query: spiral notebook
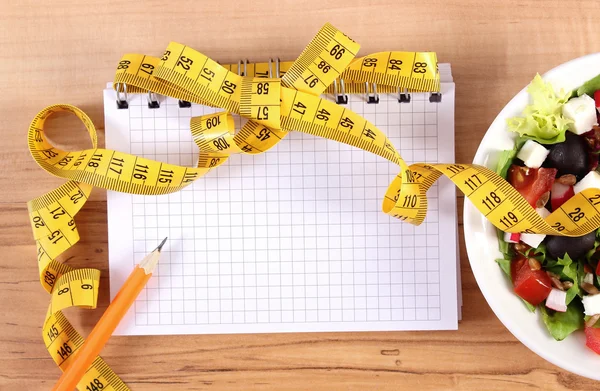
x=291, y=240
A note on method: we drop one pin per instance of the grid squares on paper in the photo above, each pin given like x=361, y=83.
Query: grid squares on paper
x=293, y=235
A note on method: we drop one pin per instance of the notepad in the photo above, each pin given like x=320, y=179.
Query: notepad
x=291, y=240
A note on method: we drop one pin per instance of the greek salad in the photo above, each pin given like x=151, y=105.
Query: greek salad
x=555, y=156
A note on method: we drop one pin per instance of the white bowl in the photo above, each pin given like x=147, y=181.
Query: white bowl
x=482, y=243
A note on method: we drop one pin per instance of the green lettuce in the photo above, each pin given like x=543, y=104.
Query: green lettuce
x=543, y=120
x=561, y=324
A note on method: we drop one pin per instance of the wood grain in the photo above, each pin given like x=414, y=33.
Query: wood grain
x=64, y=51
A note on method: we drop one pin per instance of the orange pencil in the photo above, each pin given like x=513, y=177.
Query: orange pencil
x=109, y=321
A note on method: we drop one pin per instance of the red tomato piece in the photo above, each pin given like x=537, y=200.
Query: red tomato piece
x=598, y=269
x=592, y=339
x=531, y=182
x=534, y=286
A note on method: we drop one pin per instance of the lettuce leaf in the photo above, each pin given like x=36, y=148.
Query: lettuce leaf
x=561, y=324
x=543, y=120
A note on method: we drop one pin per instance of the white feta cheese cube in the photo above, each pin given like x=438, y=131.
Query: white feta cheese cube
x=543, y=212
x=532, y=240
x=582, y=110
x=590, y=181
x=557, y=300
x=591, y=304
x=532, y=154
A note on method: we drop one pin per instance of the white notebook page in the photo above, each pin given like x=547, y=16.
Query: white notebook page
x=291, y=240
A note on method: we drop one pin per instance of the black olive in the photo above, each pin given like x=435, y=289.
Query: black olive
x=558, y=246
x=569, y=157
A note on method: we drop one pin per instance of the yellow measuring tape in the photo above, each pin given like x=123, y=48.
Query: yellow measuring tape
x=273, y=106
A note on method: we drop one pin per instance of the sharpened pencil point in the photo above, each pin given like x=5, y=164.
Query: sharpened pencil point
x=150, y=261
x=160, y=246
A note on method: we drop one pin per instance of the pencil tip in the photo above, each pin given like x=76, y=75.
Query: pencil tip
x=160, y=246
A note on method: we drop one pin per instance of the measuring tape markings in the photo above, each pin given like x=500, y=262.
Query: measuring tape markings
x=202, y=80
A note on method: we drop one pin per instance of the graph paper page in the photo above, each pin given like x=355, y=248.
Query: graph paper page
x=291, y=240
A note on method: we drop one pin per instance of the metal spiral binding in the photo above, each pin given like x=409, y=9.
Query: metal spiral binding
x=372, y=98
x=122, y=102
x=435, y=97
x=404, y=96
x=340, y=96
x=153, y=100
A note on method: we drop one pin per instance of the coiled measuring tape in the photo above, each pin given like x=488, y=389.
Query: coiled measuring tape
x=273, y=106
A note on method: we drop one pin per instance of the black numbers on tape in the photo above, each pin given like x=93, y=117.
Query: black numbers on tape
x=347, y=123
x=95, y=385
x=212, y=122
x=420, y=67
x=94, y=161
x=264, y=134
x=140, y=171
x=56, y=213
x=55, y=236
x=558, y=226
x=311, y=80
x=247, y=148
x=52, y=333
x=49, y=153
x=49, y=278
x=410, y=201
x=221, y=144
x=63, y=291
x=262, y=88
x=337, y=52
x=228, y=87
x=86, y=286
x=473, y=181
x=324, y=67
x=207, y=74
x=369, y=133
x=165, y=176
x=38, y=222
x=166, y=55
x=185, y=62
x=76, y=197
x=509, y=220
x=369, y=62
x=65, y=351
x=116, y=165
x=491, y=201
x=38, y=136
x=595, y=199
x=189, y=177
x=214, y=161
x=576, y=215
x=323, y=115
x=299, y=108
x=394, y=64
x=65, y=161
x=262, y=113
x=124, y=64
x=389, y=146
x=147, y=68
x=403, y=218
x=72, y=225
x=80, y=160
x=455, y=168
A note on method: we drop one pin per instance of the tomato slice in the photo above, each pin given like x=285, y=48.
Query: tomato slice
x=531, y=182
x=592, y=339
x=534, y=286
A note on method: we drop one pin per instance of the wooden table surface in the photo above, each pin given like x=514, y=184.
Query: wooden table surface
x=64, y=51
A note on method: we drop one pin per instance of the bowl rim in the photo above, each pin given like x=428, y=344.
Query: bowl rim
x=470, y=214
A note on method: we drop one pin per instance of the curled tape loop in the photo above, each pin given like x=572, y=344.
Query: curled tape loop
x=273, y=107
